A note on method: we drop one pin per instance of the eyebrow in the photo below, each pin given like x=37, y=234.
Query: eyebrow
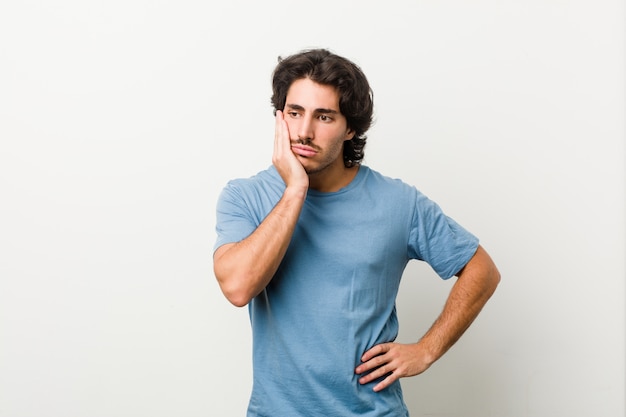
x=320, y=110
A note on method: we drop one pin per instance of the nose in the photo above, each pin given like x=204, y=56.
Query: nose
x=305, y=128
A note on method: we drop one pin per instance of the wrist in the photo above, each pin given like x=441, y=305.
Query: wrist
x=428, y=354
x=295, y=192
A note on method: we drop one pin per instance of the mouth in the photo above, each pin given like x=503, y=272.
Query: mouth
x=303, y=150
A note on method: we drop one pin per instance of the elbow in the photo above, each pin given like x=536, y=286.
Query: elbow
x=231, y=283
x=237, y=298
x=235, y=292
x=483, y=266
x=495, y=279
x=239, y=283
x=495, y=273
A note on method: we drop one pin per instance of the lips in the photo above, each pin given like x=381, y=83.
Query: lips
x=303, y=150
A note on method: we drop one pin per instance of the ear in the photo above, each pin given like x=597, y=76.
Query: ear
x=349, y=134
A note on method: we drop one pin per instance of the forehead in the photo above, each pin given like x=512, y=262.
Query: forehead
x=311, y=95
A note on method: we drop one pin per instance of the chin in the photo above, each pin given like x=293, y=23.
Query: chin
x=310, y=169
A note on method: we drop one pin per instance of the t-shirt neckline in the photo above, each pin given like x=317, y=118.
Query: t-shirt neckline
x=358, y=178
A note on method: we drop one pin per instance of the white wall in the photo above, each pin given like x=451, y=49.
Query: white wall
x=120, y=121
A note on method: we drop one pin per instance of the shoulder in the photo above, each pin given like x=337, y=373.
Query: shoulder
x=258, y=193
x=264, y=180
x=268, y=175
x=384, y=183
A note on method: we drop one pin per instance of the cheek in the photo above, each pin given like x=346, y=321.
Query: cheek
x=292, y=125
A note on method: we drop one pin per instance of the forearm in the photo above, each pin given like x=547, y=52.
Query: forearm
x=475, y=285
x=473, y=288
x=244, y=269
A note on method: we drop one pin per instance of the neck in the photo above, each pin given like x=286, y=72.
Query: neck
x=331, y=180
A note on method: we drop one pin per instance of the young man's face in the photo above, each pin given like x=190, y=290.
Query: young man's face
x=316, y=127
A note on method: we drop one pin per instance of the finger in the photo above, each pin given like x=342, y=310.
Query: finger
x=376, y=351
x=385, y=382
x=282, y=142
x=375, y=374
x=278, y=132
x=375, y=362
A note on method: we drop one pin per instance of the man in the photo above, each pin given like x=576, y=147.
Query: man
x=316, y=245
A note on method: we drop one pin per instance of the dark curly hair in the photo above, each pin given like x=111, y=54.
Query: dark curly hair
x=356, y=99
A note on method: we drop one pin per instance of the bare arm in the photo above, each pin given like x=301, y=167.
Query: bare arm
x=244, y=268
x=474, y=286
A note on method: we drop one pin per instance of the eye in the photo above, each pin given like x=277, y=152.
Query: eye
x=325, y=118
x=293, y=114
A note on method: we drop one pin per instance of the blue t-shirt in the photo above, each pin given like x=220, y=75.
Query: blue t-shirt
x=333, y=296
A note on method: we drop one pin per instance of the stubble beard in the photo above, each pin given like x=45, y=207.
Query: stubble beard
x=331, y=157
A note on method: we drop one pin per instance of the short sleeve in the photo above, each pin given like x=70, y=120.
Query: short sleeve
x=234, y=221
x=439, y=240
